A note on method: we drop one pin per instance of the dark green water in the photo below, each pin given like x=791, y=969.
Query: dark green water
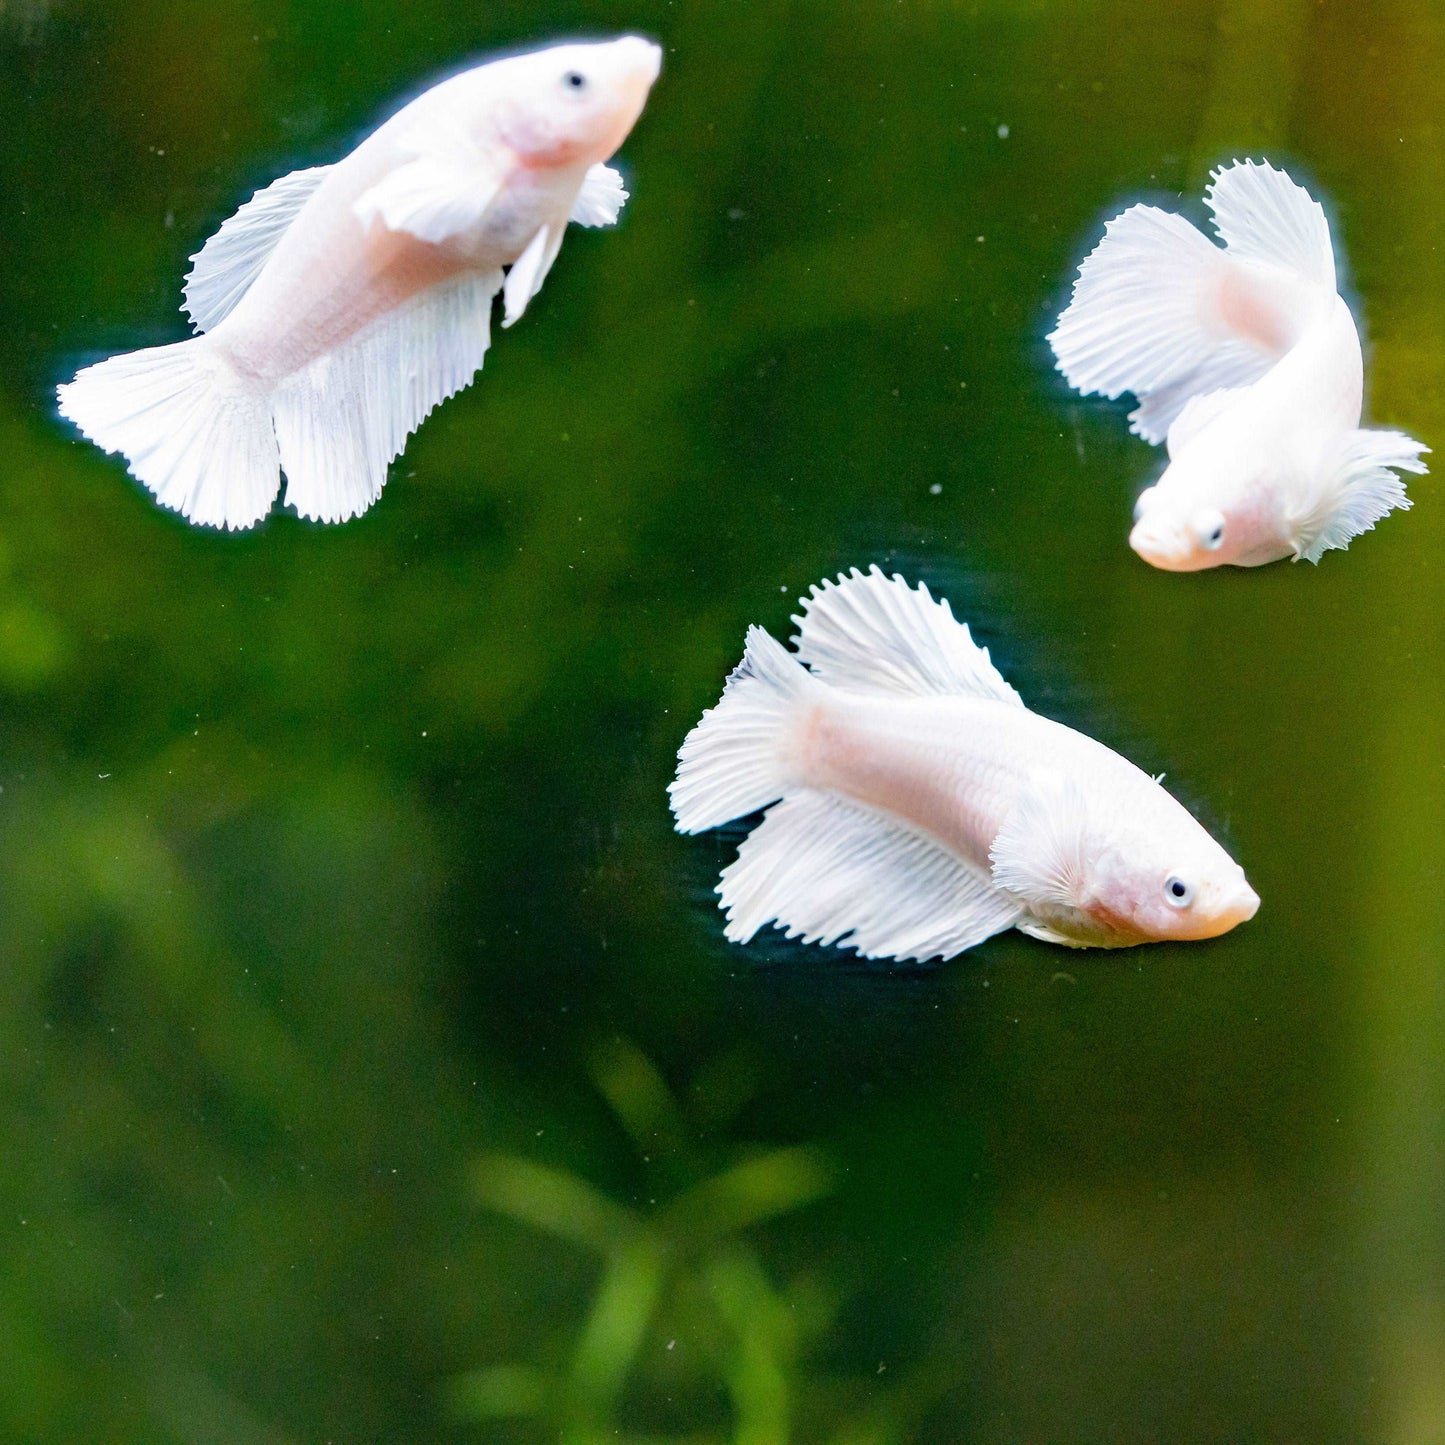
x=371, y=1063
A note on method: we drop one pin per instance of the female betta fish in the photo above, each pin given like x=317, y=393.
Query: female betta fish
x=1246, y=360
x=923, y=806
x=341, y=304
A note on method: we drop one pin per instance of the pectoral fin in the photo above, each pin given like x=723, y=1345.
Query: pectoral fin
x=599, y=202
x=1040, y=854
x=1360, y=489
x=433, y=198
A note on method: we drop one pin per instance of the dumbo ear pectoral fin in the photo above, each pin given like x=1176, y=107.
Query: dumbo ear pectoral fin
x=431, y=198
x=1360, y=489
x=599, y=202
x=1041, y=853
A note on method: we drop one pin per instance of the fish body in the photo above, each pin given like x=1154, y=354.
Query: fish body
x=920, y=807
x=342, y=303
x=1247, y=362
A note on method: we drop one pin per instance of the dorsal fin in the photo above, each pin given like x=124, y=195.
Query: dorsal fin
x=231, y=260
x=1262, y=215
x=872, y=633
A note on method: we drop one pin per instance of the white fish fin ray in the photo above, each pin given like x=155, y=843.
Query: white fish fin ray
x=201, y=442
x=1362, y=489
x=1156, y=310
x=1045, y=934
x=433, y=197
x=1196, y=414
x=231, y=260
x=1229, y=367
x=341, y=420
x=1040, y=854
x=734, y=761
x=528, y=272
x=1262, y=215
x=829, y=871
x=868, y=632
x=600, y=201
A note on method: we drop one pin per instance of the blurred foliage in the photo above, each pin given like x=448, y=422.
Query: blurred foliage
x=326, y=855
x=680, y=1270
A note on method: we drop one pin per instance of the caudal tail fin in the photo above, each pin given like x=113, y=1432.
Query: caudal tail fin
x=198, y=439
x=735, y=760
x=1160, y=311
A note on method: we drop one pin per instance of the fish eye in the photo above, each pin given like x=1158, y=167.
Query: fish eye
x=1209, y=530
x=574, y=80
x=1178, y=893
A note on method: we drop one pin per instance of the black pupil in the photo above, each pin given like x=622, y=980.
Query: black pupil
x=575, y=79
x=1217, y=535
x=1177, y=888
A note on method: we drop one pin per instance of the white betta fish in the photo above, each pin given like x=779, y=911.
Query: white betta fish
x=924, y=807
x=341, y=304
x=1246, y=360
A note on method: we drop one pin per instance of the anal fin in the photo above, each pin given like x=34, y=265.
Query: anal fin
x=341, y=420
x=830, y=871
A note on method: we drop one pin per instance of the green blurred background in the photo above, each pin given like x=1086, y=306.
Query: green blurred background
x=371, y=1063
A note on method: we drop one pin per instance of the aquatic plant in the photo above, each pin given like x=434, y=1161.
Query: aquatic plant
x=679, y=1278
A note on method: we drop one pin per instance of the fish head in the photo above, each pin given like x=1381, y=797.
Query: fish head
x=1167, y=882
x=573, y=105
x=1189, y=521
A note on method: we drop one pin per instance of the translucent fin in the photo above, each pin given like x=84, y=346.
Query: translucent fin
x=1362, y=489
x=341, y=420
x=196, y=439
x=1262, y=215
x=528, y=272
x=1040, y=854
x=1198, y=412
x=872, y=633
x=1160, y=311
x=432, y=197
x=600, y=201
x=831, y=872
x=231, y=260
x=734, y=761
x=1045, y=934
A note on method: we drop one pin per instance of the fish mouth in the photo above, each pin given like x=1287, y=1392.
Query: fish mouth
x=644, y=57
x=639, y=63
x=1169, y=553
x=1245, y=904
x=1237, y=905
x=633, y=65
